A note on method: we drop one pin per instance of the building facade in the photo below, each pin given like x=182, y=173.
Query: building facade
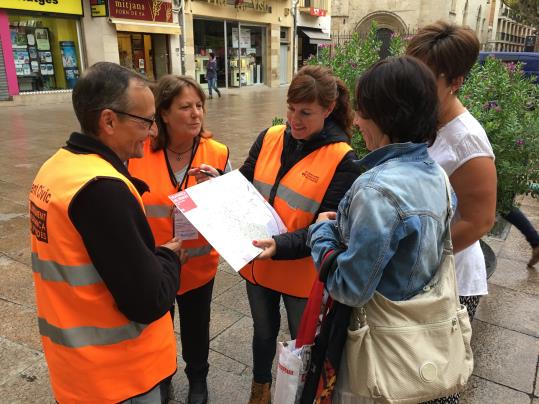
x=142, y=35
x=407, y=16
x=507, y=34
x=251, y=40
x=313, y=27
x=40, y=46
x=46, y=45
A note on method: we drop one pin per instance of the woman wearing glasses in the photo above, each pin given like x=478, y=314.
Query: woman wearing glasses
x=180, y=145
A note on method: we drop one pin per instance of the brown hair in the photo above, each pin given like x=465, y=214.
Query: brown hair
x=447, y=49
x=399, y=95
x=166, y=89
x=318, y=83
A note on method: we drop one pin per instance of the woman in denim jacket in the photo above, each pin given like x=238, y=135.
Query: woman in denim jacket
x=392, y=220
x=390, y=226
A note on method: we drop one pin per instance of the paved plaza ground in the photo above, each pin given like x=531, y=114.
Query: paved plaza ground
x=506, y=328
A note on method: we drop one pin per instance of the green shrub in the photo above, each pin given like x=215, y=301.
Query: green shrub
x=499, y=96
x=506, y=104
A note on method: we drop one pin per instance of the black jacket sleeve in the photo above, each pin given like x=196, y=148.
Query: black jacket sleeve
x=293, y=245
x=248, y=167
x=142, y=279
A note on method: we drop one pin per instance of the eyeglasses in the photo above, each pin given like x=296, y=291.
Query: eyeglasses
x=149, y=121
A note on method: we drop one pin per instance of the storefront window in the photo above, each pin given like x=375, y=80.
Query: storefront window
x=245, y=54
x=144, y=53
x=209, y=37
x=45, y=51
x=241, y=56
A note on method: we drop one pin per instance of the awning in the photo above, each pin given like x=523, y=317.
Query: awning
x=316, y=37
x=145, y=26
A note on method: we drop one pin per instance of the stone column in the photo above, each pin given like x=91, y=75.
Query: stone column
x=189, y=44
x=274, y=43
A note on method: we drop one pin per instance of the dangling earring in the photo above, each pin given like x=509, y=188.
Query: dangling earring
x=451, y=91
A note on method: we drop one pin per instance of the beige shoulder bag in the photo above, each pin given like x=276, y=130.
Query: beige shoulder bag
x=414, y=350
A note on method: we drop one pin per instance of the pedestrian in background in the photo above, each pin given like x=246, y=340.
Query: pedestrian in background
x=518, y=219
x=181, y=144
x=211, y=75
x=103, y=289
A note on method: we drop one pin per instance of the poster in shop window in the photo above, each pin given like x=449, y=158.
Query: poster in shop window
x=45, y=57
x=35, y=66
x=18, y=39
x=31, y=39
x=42, y=39
x=33, y=52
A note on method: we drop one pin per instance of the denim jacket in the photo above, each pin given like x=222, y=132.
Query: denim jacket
x=392, y=223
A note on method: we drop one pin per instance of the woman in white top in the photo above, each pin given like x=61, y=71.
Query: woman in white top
x=462, y=149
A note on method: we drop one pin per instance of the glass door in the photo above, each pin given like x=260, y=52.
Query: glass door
x=209, y=36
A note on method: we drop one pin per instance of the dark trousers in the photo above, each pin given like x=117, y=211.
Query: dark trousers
x=194, y=312
x=521, y=222
x=158, y=395
x=265, y=309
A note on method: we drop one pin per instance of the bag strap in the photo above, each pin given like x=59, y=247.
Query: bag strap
x=447, y=238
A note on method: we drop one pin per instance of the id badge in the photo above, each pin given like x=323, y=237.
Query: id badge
x=182, y=227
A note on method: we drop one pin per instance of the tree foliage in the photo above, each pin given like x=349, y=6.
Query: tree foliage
x=504, y=101
x=527, y=11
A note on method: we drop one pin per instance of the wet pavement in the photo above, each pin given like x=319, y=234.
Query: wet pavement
x=506, y=328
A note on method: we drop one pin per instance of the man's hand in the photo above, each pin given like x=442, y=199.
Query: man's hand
x=269, y=247
x=322, y=217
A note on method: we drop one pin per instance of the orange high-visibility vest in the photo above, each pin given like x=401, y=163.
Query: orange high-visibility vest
x=297, y=201
x=94, y=353
x=152, y=169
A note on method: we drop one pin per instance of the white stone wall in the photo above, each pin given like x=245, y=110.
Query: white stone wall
x=101, y=42
x=409, y=15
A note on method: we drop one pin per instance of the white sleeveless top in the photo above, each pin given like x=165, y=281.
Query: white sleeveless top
x=460, y=140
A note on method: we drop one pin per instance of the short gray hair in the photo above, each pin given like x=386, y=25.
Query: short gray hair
x=103, y=85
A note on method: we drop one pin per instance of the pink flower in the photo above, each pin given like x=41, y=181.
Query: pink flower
x=511, y=66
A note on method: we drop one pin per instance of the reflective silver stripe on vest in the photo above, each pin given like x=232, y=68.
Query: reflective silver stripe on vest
x=158, y=211
x=84, y=336
x=297, y=201
x=263, y=188
x=199, y=251
x=74, y=275
x=292, y=198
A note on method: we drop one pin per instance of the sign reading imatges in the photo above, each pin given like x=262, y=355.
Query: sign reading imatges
x=45, y=6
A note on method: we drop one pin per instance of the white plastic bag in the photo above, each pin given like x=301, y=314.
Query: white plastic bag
x=291, y=371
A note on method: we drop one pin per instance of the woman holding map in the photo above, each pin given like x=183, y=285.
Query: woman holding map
x=181, y=143
x=301, y=168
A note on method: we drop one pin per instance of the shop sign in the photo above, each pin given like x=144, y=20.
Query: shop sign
x=99, y=8
x=318, y=12
x=46, y=6
x=147, y=10
x=257, y=5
